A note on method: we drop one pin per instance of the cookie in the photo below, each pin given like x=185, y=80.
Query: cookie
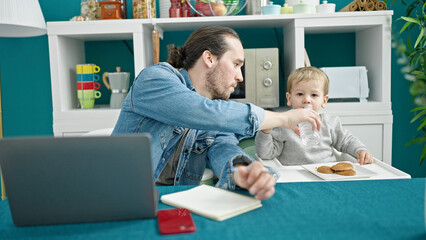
x=342, y=167
x=347, y=172
x=325, y=169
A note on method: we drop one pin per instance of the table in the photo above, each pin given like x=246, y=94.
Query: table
x=377, y=209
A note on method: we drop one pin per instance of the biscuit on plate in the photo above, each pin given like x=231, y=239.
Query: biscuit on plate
x=342, y=167
x=325, y=169
x=347, y=172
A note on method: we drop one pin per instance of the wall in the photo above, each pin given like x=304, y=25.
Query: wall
x=26, y=92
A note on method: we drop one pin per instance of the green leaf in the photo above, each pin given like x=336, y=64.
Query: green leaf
x=418, y=115
x=420, y=75
x=424, y=61
x=419, y=37
x=410, y=19
x=423, y=8
x=417, y=72
x=418, y=109
x=417, y=140
x=423, y=155
x=410, y=47
x=405, y=26
x=422, y=125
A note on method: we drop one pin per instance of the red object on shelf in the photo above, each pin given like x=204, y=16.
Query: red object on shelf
x=186, y=9
x=175, y=9
x=88, y=85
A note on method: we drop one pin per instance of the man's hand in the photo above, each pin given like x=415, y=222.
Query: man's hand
x=256, y=179
x=290, y=119
x=296, y=116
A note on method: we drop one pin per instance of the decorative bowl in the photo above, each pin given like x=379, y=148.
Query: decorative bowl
x=217, y=7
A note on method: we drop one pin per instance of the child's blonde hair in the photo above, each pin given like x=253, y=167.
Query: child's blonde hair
x=307, y=74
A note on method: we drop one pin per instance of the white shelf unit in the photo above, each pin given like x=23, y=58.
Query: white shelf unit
x=370, y=121
x=67, y=48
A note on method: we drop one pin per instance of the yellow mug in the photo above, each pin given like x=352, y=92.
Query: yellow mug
x=87, y=68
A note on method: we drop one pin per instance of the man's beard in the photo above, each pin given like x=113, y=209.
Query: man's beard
x=215, y=84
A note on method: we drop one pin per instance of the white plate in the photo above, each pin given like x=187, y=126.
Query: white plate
x=361, y=172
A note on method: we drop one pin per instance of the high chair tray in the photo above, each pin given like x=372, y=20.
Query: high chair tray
x=376, y=170
x=360, y=172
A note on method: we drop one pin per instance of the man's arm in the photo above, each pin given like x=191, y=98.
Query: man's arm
x=290, y=119
x=224, y=154
x=159, y=93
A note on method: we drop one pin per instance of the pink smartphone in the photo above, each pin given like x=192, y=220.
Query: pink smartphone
x=176, y=220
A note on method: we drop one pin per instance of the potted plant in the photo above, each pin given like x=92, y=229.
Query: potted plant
x=413, y=57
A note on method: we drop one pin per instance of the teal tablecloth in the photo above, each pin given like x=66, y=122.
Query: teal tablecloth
x=378, y=209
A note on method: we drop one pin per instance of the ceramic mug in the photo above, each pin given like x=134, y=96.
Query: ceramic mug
x=87, y=98
x=88, y=85
x=87, y=68
x=87, y=77
x=87, y=103
x=88, y=94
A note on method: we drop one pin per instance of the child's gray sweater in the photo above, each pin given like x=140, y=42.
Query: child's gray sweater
x=287, y=147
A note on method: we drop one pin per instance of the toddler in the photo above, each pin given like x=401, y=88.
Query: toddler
x=309, y=86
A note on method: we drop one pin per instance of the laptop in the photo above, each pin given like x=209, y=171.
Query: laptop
x=78, y=179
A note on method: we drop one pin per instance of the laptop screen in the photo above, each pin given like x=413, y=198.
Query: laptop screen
x=78, y=179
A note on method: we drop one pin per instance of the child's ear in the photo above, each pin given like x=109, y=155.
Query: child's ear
x=325, y=100
x=288, y=96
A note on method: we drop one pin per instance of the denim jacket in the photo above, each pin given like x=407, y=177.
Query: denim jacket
x=163, y=102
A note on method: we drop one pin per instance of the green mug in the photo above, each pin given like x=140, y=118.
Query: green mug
x=87, y=98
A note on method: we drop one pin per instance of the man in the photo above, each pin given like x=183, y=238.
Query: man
x=183, y=105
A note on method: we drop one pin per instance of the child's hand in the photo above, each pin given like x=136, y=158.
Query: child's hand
x=267, y=131
x=364, y=157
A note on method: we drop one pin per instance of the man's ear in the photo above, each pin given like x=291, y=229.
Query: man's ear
x=208, y=59
x=325, y=100
x=288, y=96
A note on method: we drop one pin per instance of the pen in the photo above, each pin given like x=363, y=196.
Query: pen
x=233, y=169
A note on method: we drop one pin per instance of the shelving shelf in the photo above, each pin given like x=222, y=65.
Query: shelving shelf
x=67, y=48
x=371, y=121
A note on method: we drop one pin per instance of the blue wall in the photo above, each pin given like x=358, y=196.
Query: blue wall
x=26, y=90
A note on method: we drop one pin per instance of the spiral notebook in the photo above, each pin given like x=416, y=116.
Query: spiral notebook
x=212, y=202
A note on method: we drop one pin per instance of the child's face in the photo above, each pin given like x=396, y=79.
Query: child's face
x=307, y=93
